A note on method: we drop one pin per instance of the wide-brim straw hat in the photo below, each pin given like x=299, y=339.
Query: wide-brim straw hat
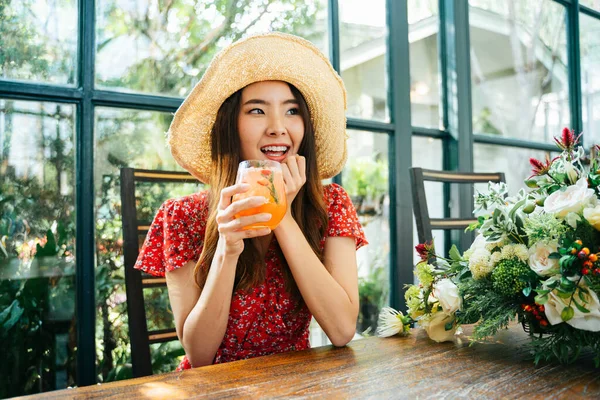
x=266, y=57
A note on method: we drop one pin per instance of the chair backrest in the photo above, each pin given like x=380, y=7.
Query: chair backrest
x=425, y=224
x=135, y=280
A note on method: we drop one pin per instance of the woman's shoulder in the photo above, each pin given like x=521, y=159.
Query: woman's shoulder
x=333, y=192
x=195, y=204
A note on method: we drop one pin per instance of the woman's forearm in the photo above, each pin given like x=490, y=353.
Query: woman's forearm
x=205, y=326
x=327, y=300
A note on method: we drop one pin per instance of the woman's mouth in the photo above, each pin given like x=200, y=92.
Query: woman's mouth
x=275, y=153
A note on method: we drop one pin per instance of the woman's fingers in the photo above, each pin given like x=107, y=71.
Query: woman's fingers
x=242, y=222
x=292, y=163
x=229, y=192
x=232, y=237
x=226, y=215
x=287, y=176
x=302, y=168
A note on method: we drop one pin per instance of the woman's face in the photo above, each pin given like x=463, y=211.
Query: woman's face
x=269, y=123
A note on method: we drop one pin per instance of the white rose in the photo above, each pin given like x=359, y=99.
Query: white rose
x=584, y=321
x=436, y=327
x=478, y=243
x=539, y=260
x=593, y=216
x=447, y=294
x=573, y=199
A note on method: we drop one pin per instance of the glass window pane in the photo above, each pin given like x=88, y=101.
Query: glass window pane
x=590, y=78
x=514, y=162
x=363, y=38
x=130, y=138
x=38, y=41
x=591, y=3
x=423, y=28
x=519, y=68
x=365, y=178
x=37, y=246
x=164, y=47
x=427, y=153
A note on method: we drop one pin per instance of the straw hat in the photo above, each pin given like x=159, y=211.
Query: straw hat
x=266, y=57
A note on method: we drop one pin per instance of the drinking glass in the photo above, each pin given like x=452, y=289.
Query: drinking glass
x=265, y=179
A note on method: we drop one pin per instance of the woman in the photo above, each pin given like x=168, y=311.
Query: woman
x=238, y=293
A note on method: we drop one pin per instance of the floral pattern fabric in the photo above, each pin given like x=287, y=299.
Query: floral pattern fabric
x=266, y=319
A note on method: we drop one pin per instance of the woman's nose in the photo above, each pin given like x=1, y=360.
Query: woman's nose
x=276, y=126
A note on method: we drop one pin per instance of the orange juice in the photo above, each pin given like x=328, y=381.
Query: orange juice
x=268, y=183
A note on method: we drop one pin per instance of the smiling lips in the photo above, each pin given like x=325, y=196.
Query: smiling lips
x=275, y=152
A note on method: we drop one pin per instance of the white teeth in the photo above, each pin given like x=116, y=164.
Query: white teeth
x=274, y=148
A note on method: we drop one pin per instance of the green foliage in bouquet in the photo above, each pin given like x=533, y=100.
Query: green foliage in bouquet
x=535, y=260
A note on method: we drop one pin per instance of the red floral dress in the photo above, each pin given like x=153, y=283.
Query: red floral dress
x=264, y=320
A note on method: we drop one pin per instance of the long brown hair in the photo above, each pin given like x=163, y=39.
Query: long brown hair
x=308, y=208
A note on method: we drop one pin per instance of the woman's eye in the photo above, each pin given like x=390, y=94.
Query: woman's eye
x=256, y=111
x=294, y=111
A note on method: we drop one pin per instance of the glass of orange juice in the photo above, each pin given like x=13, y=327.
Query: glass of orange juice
x=265, y=179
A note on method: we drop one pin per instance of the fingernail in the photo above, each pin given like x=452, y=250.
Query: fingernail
x=265, y=217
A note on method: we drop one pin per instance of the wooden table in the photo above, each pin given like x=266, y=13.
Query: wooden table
x=398, y=367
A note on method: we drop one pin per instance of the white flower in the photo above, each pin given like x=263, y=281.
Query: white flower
x=478, y=243
x=584, y=321
x=390, y=322
x=447, y=293
x=436, y=327
x=521, y=252
x=508, y=252
x=496, y=257
x=479, y=263
x=571, y=172
x=573, y=199
x=572, y=219
x=539, y=260
x=593, y=216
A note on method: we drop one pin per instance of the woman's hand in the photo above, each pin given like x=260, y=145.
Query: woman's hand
x=231, y=235
x=294, y=176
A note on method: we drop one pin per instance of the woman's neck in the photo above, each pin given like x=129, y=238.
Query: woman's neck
x=262, y=244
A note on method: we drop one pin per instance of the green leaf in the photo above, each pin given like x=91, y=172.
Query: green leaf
x=562, y=294
x=541, y=299
x=454, y=253
x=527, y=291
x=566, y=283
x=13, y=312
x=449, y=325
x=567, y=313
x=554, y=256
x=515, y=208
x=580, y=307
x=582, y=297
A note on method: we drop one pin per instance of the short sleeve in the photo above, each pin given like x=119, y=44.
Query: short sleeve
x=175, y=236
x=343, y=220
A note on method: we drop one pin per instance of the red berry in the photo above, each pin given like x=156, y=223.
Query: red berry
x=585, y=271
x=588, y=264
x=582, y=255
x=544, y=323
x=542, y=309
x=593, y=258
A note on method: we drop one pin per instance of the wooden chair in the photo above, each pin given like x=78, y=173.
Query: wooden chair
x=425, y=224
x=135, y=280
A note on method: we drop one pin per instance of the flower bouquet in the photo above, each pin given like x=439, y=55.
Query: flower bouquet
x=535, y=260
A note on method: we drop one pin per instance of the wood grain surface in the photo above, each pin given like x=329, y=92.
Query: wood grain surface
x=398, y=367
